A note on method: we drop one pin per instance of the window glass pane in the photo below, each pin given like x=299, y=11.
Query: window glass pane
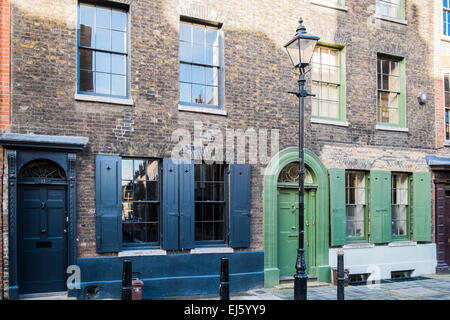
x=103, y=17
x=198, y=34
x=102, y=62
x=118, y=85
x=119, y=64
x=212, y=95
x=86, y=36
x=103, y=39
x=185, y=72
x=198, y=75
x=118, y=43
x=127, y=169
x=198, y=54
x=185, y=52
x=212, y=37
x=86, y=81
x=102, y=83
x=212, y=56
x=185, y=92
x=198, y=94
x=185, y=32
x=119, y=20
x=393, y=116
x=87, y=15
x=211, y=76
x=86, y=59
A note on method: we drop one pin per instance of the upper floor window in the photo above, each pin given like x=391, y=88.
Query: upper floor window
x=446, y=16
x=199, y=56
x=390, y=102
x=102, y=51
x=447, y=106
x=388, y=8
x=140, y=201
x=327, y=78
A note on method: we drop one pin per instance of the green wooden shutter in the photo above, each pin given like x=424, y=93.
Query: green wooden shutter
x=380, y=207
x=337, y=207
x=170, y=205
x=187, y=205
x=421, y=206
x=108, y=181
x=240, y=206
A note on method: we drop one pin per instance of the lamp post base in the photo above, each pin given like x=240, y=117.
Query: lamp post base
x=300, y=278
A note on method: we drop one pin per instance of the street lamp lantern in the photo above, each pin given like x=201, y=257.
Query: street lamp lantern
x=300, y=50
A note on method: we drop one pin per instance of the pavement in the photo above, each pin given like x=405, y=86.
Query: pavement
x=429, y=287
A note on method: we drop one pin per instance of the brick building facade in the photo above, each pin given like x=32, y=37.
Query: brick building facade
x=364, y=127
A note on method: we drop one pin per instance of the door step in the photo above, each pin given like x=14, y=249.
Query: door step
x=46, y=296
x=288, y=283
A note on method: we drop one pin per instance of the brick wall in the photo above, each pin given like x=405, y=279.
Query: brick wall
x=257, y=77
x=4, y=108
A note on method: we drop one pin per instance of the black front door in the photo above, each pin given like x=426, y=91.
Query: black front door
x=42, y=238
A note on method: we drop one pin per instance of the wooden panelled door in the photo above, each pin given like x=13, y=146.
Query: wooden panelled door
x=447, y=224
x=42, y=238
x=288, y=230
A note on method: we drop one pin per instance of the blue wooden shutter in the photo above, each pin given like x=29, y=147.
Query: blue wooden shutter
x=170, y=205
x=380, y=207
x=108, y=177
x=337, y=207
x=240, y=195
x=187, y=205
x=421, y=206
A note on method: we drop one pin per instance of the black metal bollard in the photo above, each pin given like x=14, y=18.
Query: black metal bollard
x=224, y=280
x=126, y=280
x=340, y=275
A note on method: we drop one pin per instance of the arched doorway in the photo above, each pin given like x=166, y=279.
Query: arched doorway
x=281, y=217
x=42, y=227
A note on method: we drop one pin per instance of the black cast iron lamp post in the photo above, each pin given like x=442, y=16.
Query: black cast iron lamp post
x=300, y=50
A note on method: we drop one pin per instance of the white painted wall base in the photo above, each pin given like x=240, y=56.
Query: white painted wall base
x=379, y=261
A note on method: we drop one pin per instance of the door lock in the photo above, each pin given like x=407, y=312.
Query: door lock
x=42, y=205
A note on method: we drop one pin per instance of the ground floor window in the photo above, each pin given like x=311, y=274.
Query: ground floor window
x=140, y=201
x=210, y=203
x=355, y=198
x=400, y=204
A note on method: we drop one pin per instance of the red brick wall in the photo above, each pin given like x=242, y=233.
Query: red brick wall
x=4, y=106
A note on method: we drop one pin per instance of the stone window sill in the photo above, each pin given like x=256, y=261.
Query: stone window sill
x=391, y=19
x=358, y=246
x=134, y=253
x=220, y=112
x=446, y=143
x=329, y=4
x=391, y=128
x=211, y=250
x=445, y=38
x=405, y=243
x=330, y=122
x=92, y=98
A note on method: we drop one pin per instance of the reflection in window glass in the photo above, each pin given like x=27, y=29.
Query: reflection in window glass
x=387, y=8
x=102, y=50
x=199, y=64
x=447, y=105
x=140, y=201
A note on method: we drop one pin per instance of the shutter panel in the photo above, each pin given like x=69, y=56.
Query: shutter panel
x=108, y=177
x=170, y=205
x=337, y=207
x=380, y=207
x=421, y=206
x=240, y=194
x=187, y=205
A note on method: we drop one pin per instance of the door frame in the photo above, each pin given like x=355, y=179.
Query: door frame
x=17, y=159
x=270, y=199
